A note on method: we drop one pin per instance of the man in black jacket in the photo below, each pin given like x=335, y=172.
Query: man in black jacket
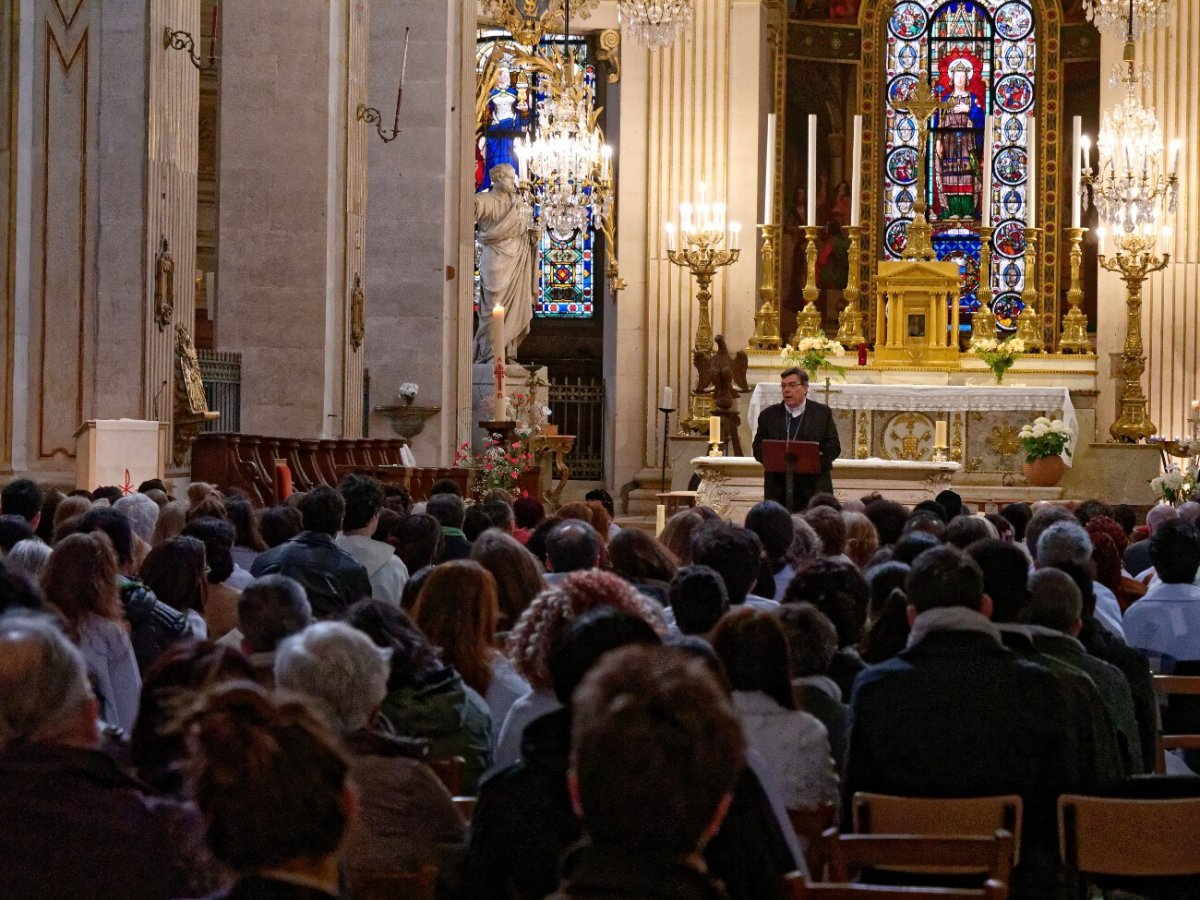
x=798, y=419
x=329, y=575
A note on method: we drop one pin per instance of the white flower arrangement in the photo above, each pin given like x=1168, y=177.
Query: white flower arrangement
x=812, y=353
x=1045, y=437
x=408, y=391
x=999, y=355
x=1173, y=485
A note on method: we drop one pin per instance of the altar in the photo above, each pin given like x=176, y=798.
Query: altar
x=893, y=422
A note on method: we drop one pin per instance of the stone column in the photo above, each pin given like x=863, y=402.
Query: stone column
x=289, y=207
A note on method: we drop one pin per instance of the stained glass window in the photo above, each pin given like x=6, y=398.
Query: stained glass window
x=981, y=55
x=566, y=270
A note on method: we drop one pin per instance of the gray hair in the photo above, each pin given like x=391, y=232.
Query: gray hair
x=1160, y=515
x=806, y=543
x=1189, y=511
x=1054, y=600
x=271, y=608
x=340, y=668
x=43, y=677
x=142, y=513
x=1064, y=541
x=28, y=557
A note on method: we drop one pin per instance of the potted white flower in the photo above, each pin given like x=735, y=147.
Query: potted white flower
x=408, y=392
x=1173, y=486
x=1045, y=442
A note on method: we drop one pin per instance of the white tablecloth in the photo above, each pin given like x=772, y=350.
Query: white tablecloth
x=929, y=399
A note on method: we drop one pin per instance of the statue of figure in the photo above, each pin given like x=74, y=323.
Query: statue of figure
x=508, y=118
x=504, y=228
x=958, y=144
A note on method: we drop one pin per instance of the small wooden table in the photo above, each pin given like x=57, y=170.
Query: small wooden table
x=556, y=446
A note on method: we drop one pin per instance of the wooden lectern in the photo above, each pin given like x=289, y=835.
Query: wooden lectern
x=791, y=458
x=109, y=450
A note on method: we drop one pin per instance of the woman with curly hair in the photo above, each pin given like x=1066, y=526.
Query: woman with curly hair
x=457, y=610
x=530, y=641
x=1109, y=571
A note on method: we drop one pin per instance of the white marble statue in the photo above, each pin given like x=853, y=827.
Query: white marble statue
x=504, y=228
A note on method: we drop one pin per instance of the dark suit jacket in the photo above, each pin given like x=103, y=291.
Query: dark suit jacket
x=816, y=425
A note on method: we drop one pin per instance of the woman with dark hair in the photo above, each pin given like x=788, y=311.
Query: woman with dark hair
x=272, y=785
x=223, y=590
x=517, y=572
x=247, y=540
x=80, y=579
x=425, y=698
x=457, y=610
x=838, y=590
x=175, y=570
x=795, y=745
x=418, y=541
x=157, y=751
x=643, y=561
x=279, y=524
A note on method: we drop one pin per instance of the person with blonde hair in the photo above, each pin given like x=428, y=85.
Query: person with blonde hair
x=862, y=540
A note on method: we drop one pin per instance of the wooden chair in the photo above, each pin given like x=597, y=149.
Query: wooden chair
x=799, y=889
x=449, y=770
x=810, y=826
x=1167, y=686
x=1106, y=836
x=465, y=806
x=421, y=885
x=881, y=813
x=990, y=856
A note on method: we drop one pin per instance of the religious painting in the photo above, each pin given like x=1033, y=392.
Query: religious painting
x=981, y=57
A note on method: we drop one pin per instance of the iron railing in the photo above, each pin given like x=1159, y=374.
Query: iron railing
x=221, y=373
x=577, y=407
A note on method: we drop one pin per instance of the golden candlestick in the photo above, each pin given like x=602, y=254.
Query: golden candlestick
x=1074, y=325
x=766, y=321
x=1135, y=261
x=703, y=255
x=983, y=323
x=850, y=322
x=1029, y=322
x=808, y=320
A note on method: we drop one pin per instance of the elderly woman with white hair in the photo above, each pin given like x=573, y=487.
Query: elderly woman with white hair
x=406, y=817
x=142, y=513
x=28, y=557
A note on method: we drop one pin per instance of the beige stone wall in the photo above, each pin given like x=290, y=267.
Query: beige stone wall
x=1171, y=317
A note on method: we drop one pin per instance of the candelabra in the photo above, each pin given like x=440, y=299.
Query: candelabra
x=808, y=320
x=1074, y=325
x=1134, y=261
x=983, y=322
x=1029, y=322
x=766, y=321
x=850, y=322
x=704, y=255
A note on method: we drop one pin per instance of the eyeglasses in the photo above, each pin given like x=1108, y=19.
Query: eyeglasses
x=792, y=384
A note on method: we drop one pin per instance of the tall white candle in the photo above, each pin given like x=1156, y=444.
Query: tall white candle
x=1076, y=151
x=769, y=181
x=714, y=429
x=669, y=229
x=1031, y=180
x=660, y=519
x=735, y=236
x=856, y=172
x=668, y=398
x=498, y=333
x=811, y=218
x=1175, y=147
x=988, y=138
x=939, y=434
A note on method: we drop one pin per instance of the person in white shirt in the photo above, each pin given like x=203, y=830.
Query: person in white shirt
x=386, y=570
x=1165, y=624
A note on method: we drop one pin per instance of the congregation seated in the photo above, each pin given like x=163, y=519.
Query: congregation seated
x=517, y=572
x=450, y=513
x=572, y=545
x=270, y=609
x=225, y=581
x=811, y=647
x=697, y=599
x=364, y=504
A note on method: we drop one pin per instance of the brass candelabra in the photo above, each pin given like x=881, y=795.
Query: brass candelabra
x=850, y=321
x=1074, y=324
x=703, y=254
x=766, y=321
x=983, y=323
x=808, y=320
x=1134, y=261
x=1029, y=322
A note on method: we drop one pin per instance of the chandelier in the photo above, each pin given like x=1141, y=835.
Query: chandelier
x=1119, y=17
x=528, y=21
x=655, y=23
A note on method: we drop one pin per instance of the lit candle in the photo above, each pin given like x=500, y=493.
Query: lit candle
x=1076, y=149
x=498, y=334
x=718, y=217
x=668, y=397
x=1175, y=147
x=1086, y=143
x=769, y=181
x=735, y=236
x=811, y=218
x=856, y=172
x=1031, y=170
x=669, y=228
x=988, y=138
x=660, y=519
x=1195, y=405
x=939, y=434
x=1100, y=241
x=714, y=429
x=606, y=153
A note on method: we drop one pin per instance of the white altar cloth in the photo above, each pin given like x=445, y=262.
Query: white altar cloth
x=929, y=399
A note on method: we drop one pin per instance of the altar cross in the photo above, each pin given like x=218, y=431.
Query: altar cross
x=923, y=103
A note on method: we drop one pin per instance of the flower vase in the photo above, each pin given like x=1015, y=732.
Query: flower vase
x=1046, y=471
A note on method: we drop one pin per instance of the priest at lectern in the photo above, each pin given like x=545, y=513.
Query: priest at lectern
x=789, y=429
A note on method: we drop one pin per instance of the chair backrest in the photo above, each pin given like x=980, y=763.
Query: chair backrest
x=800, y=889
x=1110, y=836
x=810, y=826
x=420, y=885
x=990, y=856
x=886, y=814
x=449, y=770
x=1167, y=686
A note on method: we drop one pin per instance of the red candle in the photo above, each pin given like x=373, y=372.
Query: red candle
x=862, y=353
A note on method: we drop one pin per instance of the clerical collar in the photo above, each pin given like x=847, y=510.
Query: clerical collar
x=797, y=410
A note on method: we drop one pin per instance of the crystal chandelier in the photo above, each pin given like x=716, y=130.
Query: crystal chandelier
x=655, y=23
x=1118, y=17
